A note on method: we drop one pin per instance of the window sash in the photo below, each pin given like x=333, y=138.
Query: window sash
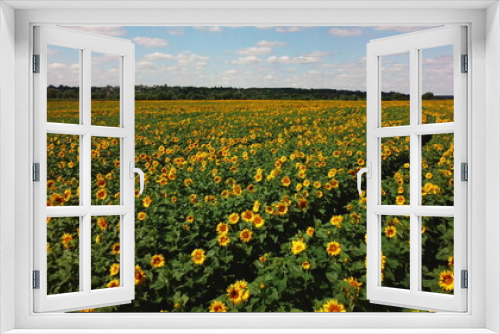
x=85, y=297
x=413, y=43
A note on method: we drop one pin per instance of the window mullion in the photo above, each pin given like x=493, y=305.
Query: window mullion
x=414, y=170
x=86, y=174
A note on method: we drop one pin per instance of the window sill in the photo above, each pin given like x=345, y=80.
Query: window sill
x=251, y=331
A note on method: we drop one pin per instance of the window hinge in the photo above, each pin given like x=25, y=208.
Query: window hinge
x=36, y=172
x=465, y=64
x=464, y=279
x=464, y=172
x=36, y=279
x=36, y=63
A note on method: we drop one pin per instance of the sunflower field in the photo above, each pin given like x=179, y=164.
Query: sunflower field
x=250, y=206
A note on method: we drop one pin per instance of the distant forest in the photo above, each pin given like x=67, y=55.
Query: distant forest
x=165, y=92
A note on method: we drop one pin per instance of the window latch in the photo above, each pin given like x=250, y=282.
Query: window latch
x=368, y=171
x=132, y=172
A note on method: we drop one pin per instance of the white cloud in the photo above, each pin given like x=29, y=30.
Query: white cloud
x=209, y=28
x=246, y=60
x=270, y=43
x=144, y=65
x=293, y=60
x=316, y=54
x=175, y=31
x=188, y=58
x=98, y=58
x=51, y=51
x=63, y=74
x=401, y=29
x=150, y=42
x=158, y=56
x=184, y=60
x=57, y=66
x=289, y=29
x=102, y=30
x=345, y=32
x=230, y=72
x=255, y=50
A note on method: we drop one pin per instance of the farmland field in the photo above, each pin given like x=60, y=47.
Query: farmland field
x=251, y=206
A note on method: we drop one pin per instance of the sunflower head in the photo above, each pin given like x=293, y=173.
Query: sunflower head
x=333, y=248
x=198, y=256
x=157, y=261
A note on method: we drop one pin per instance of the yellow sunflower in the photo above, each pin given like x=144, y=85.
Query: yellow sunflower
x=353, y=283
x=198, y=256
x=102, y=223
x=332, y=305
x=115, y=249
x=102, y=194
x=114, y=283
x=222, y=228
x=298, y=246
x=390, y=231
x=258, y=221
x=217, y=306
x=400, y=200
x=115, y=269
x=157, y=261
x=223, y=239
x=333, y=248
x=233, y=218
x=286, y=181
x=246, y=235
x=234, y=294
x=247, y=216
x=140, y=276
x=446, y=280
x=66, y=240
x=337, y=220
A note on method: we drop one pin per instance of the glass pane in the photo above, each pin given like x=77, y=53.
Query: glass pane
x=105, y=252
x=395, y=262
x=437, y=84
x=63, y=85
x=105, y=171
x=105, y=89
x=395, y=170
x=395, y=89
x=63, y=255
x=437, y=169
x=63, y=170
x=437, y=254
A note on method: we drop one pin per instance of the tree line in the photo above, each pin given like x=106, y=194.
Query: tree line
x=165, y=92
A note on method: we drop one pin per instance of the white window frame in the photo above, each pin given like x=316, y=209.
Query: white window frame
x=412, y=44
x=85, y=44
x=484, y=310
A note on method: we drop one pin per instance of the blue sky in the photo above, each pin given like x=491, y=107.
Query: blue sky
x=306, y=57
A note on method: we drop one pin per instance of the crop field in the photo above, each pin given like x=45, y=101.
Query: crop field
x=250, y=206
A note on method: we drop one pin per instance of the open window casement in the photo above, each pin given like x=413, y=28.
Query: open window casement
x=416, y=131
x=68, y=220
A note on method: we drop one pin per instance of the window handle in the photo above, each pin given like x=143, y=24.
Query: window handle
x=368, y=171
x=134, y=170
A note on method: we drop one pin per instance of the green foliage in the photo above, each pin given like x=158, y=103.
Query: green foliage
x=291, y=163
